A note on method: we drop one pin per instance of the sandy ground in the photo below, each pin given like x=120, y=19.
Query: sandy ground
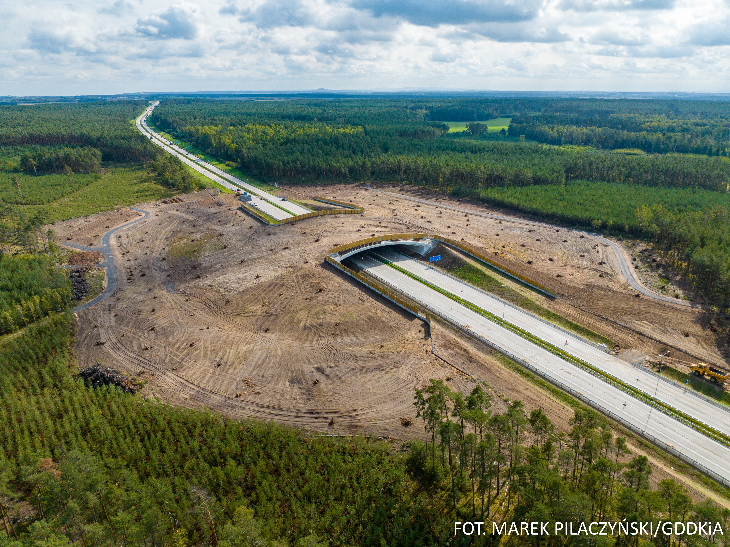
x=88, y=230
x=216, y=310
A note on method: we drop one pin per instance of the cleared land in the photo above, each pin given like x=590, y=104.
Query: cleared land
x=496, y=124
x=216, y=309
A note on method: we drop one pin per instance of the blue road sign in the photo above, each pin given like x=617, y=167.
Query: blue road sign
x=435, y=258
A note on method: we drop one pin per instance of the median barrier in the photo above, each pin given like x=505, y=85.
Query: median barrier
x=605, y=377
x=696, y=424
x=695, y=393
x=510, y=272
x=636, y=429
x=532, y=315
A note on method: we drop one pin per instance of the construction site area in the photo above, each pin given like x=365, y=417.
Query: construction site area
x=216, y=309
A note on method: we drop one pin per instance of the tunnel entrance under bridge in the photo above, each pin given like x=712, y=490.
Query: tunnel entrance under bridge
x=407, y=246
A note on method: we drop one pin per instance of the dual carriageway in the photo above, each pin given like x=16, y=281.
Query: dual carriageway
x=420, y=282
x=274, y=206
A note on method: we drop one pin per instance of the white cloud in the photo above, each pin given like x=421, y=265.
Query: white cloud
x=175, y=22
x=132, y=45
x=118, y=8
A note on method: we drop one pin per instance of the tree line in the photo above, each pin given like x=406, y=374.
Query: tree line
x=354, y=141
x=696, y=243
x=103, y=125
x=61, y=160
x=517, y=467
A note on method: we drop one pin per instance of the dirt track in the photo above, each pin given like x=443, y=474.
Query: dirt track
x=217, y=310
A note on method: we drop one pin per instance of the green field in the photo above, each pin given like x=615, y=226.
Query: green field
x=494, y=125
x=119, y=186
x=596, y=204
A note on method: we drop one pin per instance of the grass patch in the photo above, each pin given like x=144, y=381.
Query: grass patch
x=481, y=279
x=498, y=124
x=493, y=126
x=25, y=189
x=455, y=127
x=192, y=247
x=580, y=363
x=698, y=384
x=120, y=186
x=96, y=278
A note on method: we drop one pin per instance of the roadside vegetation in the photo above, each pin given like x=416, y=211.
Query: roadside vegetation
x=696, y=383
x=478, y=276
x=656, y=169
x=59, y=161
x=516, y=467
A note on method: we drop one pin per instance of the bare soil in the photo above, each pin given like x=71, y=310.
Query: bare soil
x=88, y=230
x=217, y=310
x=84, y=258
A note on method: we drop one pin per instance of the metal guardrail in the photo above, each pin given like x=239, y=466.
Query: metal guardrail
x=532, y=315
x=468, y=249
x=256, y=214
x=321, y=213
x=636, y=429
x=337, y=202
x=676, y=384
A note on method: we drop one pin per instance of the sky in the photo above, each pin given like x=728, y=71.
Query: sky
x=126, y=46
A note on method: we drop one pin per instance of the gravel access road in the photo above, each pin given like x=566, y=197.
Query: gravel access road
x=626, y=269
x=112, y=280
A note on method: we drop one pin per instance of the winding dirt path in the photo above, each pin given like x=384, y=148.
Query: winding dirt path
x=112, y=280
x=626, y=270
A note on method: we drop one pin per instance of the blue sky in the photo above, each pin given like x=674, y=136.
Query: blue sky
x=120, y=46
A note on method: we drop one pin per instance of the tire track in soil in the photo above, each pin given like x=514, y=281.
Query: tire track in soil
x=185, y=388
x=618, y=251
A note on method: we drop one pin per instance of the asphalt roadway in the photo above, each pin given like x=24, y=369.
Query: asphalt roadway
x=626, y=269
x=692, y=444
x=675, y=395
x=112, y=279
x=273, y=206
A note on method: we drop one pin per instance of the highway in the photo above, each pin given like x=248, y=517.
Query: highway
x=626, y=270
x=668, y=392
x=683, y=438
x=270, y=204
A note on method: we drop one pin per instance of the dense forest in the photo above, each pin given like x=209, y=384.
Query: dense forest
x=593, y=163
x=63, y=160
x=103, y=126
x=516, y=467
x=85, y=465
